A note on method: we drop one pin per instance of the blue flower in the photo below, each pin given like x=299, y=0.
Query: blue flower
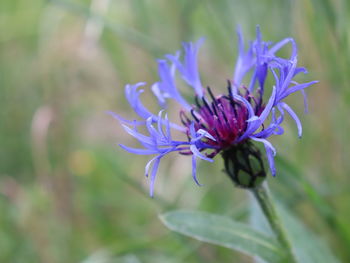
x=214, y=124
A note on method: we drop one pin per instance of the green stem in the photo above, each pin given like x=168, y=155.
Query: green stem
x=263, y=197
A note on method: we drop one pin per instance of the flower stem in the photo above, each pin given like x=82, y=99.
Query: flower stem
x=263, y=197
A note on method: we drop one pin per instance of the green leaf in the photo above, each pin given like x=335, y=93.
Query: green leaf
x=223, y=231
x=306, y=246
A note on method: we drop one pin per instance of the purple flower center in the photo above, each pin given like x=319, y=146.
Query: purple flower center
x=223, y=117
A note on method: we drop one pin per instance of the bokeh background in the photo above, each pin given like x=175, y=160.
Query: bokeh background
x=68, y=193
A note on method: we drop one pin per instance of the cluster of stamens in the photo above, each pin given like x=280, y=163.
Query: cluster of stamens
x=224, y=117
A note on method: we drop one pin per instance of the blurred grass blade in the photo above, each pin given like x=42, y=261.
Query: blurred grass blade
x=224, y=232
x=306, y=246
x=317, y=195
x=129, y=34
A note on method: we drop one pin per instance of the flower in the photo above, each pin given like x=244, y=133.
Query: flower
x=217, y=124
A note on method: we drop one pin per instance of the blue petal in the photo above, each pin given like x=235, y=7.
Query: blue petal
x=138, y=151
x=293, y=115
x=167, y=127
x=152, y=131
x=268, y=106
x=282, y=43
x=159, y=95
x=306, y=105
x=189, y=68
x=153, y=174
x=132, y=95
x=270, y=152
x=121, y=119
x=271, y=160
x=160, y=125
x=148, y=165
x=137, y=135
x=197, y=153
x=167, y=84
x=194, y=170
x=296, y=88
x=244, y=61
x=256, y=122
x=289, y=76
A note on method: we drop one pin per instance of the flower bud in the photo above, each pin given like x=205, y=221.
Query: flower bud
x=244, y=165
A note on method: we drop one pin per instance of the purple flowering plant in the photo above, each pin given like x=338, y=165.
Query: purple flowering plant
x=222, y=123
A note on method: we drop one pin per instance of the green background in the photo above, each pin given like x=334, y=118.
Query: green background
x=68, y=193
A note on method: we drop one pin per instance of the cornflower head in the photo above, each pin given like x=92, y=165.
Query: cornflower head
x=226, y=123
